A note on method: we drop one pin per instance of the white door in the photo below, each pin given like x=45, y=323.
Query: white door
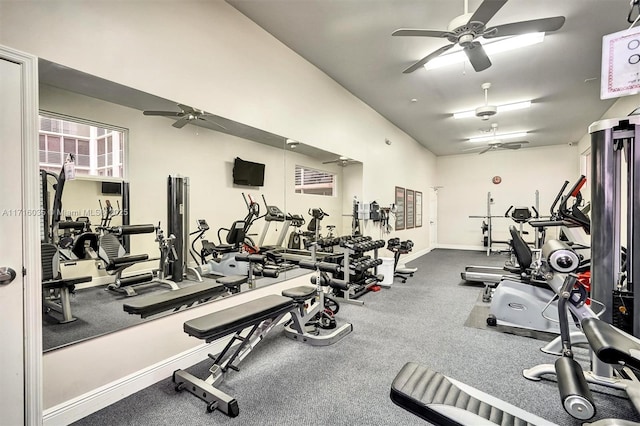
x=433, y=217
x=20, y=367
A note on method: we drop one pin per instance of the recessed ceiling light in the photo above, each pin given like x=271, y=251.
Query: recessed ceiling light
x=491, y=47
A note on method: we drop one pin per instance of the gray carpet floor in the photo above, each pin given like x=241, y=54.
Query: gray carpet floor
x=283, y=382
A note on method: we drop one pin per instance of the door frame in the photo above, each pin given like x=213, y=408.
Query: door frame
x=433, y=221
x=32, y=279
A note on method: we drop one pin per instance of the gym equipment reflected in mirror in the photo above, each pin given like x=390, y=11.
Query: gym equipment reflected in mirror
x=168, y=210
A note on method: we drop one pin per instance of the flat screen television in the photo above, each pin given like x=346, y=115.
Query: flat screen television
x=248, y=173
x=112, y=188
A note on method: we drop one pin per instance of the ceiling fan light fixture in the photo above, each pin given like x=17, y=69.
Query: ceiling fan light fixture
x=493, y=138
x=514, y=106
x=491, y=47
x=501, y=108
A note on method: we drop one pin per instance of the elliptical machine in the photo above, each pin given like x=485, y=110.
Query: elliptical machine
x=223, y=261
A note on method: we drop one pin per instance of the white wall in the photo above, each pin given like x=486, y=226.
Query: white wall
x=466, y=180
x=208, y=55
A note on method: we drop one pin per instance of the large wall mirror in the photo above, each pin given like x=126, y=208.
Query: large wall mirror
x=117, y=142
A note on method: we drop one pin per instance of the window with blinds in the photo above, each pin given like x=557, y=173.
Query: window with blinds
x=315, y=182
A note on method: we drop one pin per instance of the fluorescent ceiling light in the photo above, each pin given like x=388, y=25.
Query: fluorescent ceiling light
x=501, y=108
x=491, y=47
x=498, y=137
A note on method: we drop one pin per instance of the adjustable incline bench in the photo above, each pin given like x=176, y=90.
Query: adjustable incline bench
x=174, y=300
x=185, y=297
x=259, y=316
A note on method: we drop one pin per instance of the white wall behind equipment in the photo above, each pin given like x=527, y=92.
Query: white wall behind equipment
x=466, y=179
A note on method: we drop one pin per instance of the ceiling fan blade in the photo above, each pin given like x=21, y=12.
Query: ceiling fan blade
x=182, y=122
x=206, y=118
x=486, y=10
x=477, y=56
x=421, y=33
x=187, y=109
x=517, y=144
x=427, y=58
x=487, y=149
x=164, y=113
x=543, y=25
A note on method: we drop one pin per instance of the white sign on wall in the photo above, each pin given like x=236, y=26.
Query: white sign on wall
x=620, y=64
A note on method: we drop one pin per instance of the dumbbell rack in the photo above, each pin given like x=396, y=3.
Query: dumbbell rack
x=355, y=263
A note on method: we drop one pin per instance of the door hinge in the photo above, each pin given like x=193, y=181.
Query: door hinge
x=24, y=271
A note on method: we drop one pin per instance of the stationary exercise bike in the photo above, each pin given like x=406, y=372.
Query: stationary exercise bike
x=527, y=301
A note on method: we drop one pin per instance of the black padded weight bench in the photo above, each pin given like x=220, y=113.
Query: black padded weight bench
x=259, y=316
x=153, y=304
x=444, y=401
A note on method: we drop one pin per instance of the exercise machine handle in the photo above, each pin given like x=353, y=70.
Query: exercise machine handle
x=578, y=186
x=555, y=201
x=536, y=212
x=506, y=214
x=322, y=266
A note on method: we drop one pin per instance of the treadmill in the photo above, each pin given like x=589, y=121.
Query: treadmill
x=490, y=276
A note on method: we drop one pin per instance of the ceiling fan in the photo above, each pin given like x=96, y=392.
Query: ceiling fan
x=465, y=29
x=496, y=144
x=185, y=115
x=342, y=162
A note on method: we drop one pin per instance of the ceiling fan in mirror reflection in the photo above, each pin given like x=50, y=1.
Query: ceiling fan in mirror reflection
x=185, y=115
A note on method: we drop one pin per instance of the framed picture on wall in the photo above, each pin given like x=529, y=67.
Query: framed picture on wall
x=418, y=209
x=410, y=208
x=399, y=197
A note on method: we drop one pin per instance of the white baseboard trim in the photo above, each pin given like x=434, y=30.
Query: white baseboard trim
x=415, y=254
x=84, y=405
x=461, y=247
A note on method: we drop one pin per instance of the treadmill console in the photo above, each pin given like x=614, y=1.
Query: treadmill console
x=274, y=214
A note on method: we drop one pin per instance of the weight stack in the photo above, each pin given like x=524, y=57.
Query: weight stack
x=623, y=320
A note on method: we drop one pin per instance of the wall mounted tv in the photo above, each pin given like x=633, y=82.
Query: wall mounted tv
x=112, y=188
x=248, y=173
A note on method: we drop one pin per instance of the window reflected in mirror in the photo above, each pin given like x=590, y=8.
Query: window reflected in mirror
x=98, y=149
x=315, y=182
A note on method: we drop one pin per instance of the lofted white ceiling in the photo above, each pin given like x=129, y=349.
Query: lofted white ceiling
x=350, y=40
